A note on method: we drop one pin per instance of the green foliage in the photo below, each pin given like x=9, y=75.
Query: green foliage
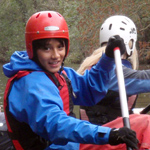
x=75, y=57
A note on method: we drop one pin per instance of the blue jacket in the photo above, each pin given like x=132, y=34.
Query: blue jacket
x=35, y=100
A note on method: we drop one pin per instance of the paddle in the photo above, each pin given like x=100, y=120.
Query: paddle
x=122, y=91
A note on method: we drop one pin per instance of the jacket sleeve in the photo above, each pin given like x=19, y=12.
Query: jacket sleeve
x=35, y=100
x=91, y=87
x=136, y=81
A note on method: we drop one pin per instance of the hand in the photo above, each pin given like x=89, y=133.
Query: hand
x=115, y=41
x=123, y=135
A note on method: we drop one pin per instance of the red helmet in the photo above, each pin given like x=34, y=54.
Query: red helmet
x=45, y=24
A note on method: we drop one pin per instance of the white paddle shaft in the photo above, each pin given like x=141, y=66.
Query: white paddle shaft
x=122, y=90
x=121, y=83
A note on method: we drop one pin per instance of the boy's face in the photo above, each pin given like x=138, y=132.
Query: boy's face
x=52, y=56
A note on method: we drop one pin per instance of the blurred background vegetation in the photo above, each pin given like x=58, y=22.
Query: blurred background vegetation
x=84, y=18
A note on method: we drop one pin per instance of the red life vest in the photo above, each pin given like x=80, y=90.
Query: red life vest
x=21, y=134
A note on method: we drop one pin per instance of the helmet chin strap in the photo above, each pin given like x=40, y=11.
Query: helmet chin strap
x=128, y=55
x=62, y=67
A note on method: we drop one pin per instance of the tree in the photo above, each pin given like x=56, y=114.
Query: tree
x=14, y=15
x=95, y=12
x=84, y=19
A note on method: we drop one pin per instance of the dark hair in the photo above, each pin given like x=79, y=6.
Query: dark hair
x=38, y=44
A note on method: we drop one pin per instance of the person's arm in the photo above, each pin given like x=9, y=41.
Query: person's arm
x=91, y=87
x=136, y=81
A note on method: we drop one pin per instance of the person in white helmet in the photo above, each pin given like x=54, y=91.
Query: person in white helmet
x=108, y=109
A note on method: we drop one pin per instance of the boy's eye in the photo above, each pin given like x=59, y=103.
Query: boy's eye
x=60, y=46
x=47, y=48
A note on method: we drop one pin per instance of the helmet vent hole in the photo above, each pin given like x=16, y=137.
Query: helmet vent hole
x=110, y=26
x=122, y=29
x=59, y=15
x=38, y=15
x=124, y=22
x=49, y=15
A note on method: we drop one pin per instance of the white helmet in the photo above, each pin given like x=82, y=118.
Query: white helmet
x=122, y=26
